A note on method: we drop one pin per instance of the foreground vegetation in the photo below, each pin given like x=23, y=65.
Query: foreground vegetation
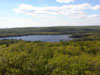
x=44, y=58
x=77, y=57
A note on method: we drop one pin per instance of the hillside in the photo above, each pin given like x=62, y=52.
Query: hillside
x=49, y=30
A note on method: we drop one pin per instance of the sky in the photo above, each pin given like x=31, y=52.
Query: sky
x=45, y=13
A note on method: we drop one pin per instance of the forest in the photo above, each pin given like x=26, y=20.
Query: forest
x=75, y=31
x=76, y=57
x=49, y=37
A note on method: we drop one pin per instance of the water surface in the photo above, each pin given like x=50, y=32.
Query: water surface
x=46, y=38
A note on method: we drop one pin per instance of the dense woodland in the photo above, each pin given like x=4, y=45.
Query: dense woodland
x=75, y=31
x=76, y=57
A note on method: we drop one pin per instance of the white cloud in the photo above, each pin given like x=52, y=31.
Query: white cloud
x=71, y=11
x=94, y=16
x=97, y=7
x=31, y=10
x=64, y=1
x=48, y=21
x=8, y=22
x=53, y=16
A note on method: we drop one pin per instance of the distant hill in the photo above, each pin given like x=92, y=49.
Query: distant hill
x=48, y=30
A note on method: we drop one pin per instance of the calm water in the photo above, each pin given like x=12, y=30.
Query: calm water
x=48, y=38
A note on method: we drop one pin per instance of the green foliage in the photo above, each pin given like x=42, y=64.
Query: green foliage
x=75, y=31
x=44, y=58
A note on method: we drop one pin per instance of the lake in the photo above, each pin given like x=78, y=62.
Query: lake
x=46, y=38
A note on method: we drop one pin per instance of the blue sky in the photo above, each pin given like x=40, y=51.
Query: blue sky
x=44, y=13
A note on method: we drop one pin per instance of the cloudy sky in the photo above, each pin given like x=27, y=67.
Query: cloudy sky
x=43, y=13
